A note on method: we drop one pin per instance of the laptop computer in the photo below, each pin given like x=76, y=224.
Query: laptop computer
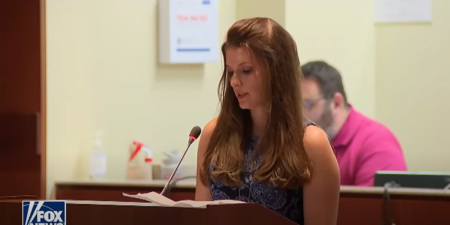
x=436, y=180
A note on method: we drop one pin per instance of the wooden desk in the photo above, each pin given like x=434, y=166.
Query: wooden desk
x=410, y=206
x=357, y=205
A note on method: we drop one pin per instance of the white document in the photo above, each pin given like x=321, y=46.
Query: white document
x=189, y=31
x=395, y=11
x=164, y=201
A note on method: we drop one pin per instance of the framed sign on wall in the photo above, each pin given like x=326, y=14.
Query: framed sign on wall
x=188, y=31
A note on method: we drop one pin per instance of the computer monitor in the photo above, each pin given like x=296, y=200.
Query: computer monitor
x=437, y=180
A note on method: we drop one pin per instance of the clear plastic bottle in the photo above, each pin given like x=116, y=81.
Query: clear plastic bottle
x=98, y=160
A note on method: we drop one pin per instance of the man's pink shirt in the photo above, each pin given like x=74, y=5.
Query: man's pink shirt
x=364, y=146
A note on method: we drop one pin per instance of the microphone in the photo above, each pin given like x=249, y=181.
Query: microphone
x=195, y=133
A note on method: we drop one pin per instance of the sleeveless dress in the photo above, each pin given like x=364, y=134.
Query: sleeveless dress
x=288, y=203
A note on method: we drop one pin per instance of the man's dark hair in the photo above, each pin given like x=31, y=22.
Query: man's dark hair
x=328, y=78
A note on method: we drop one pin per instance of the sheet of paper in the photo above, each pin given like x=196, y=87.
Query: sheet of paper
x=164, y=201
x=153, y=197
x=395, y=11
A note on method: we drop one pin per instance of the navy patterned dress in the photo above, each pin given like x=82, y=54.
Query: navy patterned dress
x=288, y=203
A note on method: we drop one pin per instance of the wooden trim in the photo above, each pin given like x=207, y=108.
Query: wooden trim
x=43, y=114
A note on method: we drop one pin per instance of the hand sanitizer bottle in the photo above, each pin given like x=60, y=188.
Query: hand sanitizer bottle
x=98, y=160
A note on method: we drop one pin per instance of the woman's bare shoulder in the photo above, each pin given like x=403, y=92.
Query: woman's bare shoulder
x=316, y=142
x=207, y=132
x=209, y=127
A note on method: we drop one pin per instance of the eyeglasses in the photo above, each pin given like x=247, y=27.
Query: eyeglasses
x=311, y=104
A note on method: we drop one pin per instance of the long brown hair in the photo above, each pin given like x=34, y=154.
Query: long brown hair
x=284, y=160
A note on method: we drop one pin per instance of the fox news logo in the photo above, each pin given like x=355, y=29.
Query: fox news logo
x=43, y=212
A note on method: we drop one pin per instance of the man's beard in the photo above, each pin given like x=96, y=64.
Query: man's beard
x=326, y=122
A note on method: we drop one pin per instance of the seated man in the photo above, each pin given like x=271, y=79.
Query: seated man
x=362, y=145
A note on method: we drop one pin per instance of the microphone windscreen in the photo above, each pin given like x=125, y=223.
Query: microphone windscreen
x=195, y=132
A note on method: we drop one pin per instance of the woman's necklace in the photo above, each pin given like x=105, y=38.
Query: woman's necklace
x=249, y=189
x=251, y=172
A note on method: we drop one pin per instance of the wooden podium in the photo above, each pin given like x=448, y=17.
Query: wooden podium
x=136, y=213
x=357, y=205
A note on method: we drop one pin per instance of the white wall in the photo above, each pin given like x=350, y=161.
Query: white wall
x=341, y=33
x=275, y=9
x=103, y=75
x=413, y=87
